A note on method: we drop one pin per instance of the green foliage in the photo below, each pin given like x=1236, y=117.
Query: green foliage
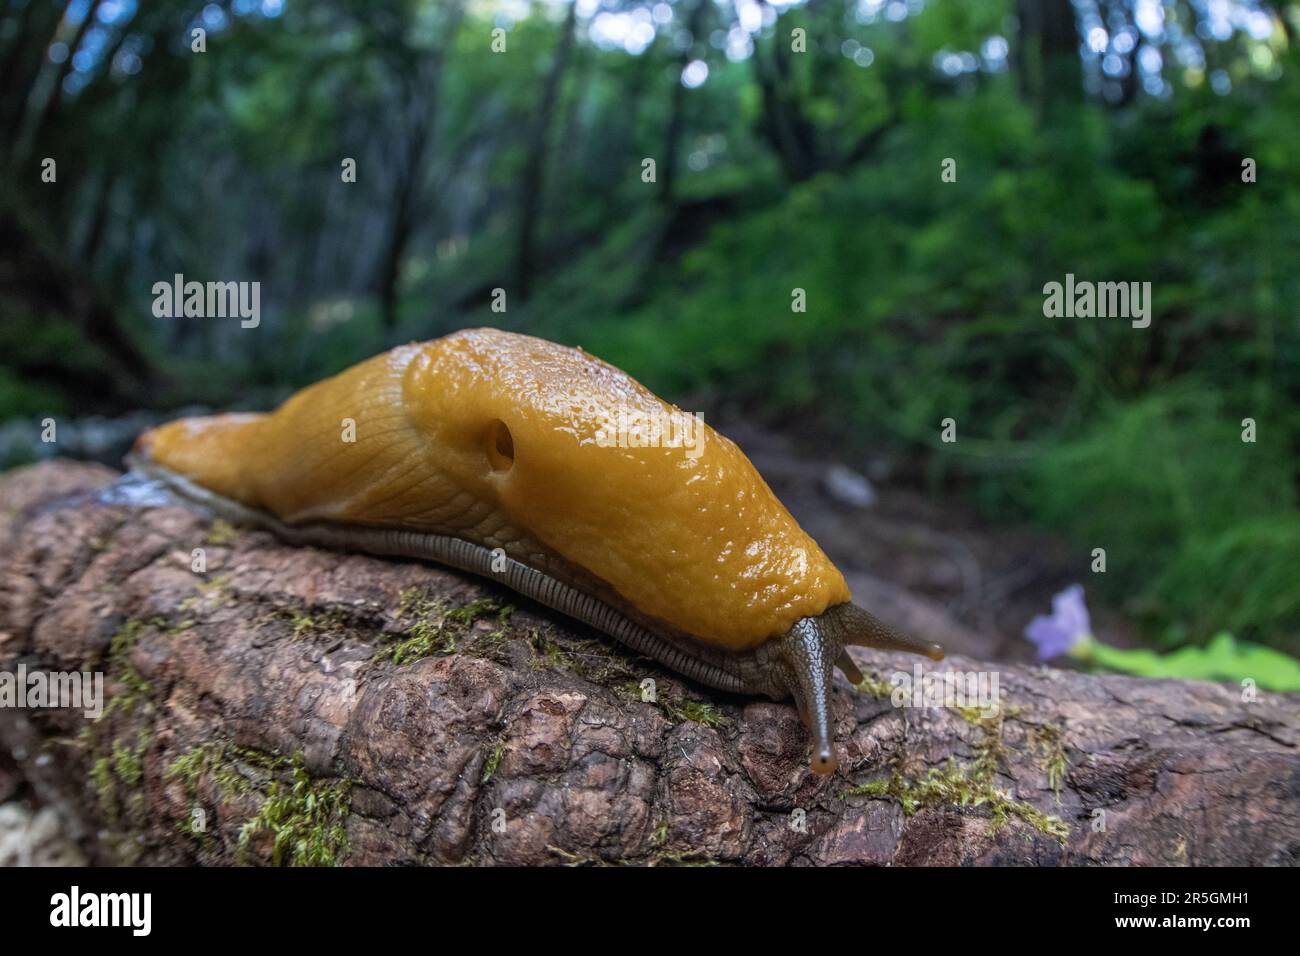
x=1204, y=523
x=1223, y=659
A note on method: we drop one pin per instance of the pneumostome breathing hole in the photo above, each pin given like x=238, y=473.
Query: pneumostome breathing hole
x=500, y=446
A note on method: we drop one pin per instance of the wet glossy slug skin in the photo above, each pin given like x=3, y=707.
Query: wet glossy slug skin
x=493, y=437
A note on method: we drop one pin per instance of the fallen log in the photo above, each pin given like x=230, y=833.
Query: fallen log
x=286, y=705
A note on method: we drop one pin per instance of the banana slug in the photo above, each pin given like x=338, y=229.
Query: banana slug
x=491, y=452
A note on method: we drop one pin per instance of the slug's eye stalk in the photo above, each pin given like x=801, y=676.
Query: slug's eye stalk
x=863, y=629
x=812, y=649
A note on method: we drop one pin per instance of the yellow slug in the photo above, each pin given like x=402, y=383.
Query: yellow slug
x=559, y=475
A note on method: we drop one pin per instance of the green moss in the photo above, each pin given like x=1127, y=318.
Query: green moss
x=678, y=708
x=435, y=628
x=493, y=760
x=303, y=623
x=211, y=588
x=124, y=639
x=117, y=768
x=970, y=783
x=700, y=712
x=119, y=666
x=234, y=771
x=1049, y=740
x=426, y=635
x=976, y=715
x=597, y=660
x=660, y=835
x=873, y=686
x=467, y=614
x=305, y=818
x=117, y=776
x=221, y=533
x=202, y=837
x=101, y=775
x=547, y=654
x=214, y=584
x=190, y=767
x=128, y=766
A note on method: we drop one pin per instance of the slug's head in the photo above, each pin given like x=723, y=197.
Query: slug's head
x=808, y=653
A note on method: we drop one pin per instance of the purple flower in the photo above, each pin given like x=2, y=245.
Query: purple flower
x=1067, y=625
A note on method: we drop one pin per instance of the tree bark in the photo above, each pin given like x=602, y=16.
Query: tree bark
x=428, y=735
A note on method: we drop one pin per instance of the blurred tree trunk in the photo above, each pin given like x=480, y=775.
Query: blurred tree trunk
x=399, y=232
x=46, y=284
x=424, y=92
x=636, y=97
x=94, y=239
x=38, y=27
x=787, y=130
x=533, y=184
x=50, y=108
x=1047, y=54
x=677, y=112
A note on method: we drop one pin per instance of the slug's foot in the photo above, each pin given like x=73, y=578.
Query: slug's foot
x=812, y=649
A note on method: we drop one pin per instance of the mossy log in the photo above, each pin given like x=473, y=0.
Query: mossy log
x=292, y=705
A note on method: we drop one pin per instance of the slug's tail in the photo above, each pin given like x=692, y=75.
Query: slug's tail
x=208, y=451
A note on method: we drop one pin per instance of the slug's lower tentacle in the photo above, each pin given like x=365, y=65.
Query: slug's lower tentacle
x=850, y=669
